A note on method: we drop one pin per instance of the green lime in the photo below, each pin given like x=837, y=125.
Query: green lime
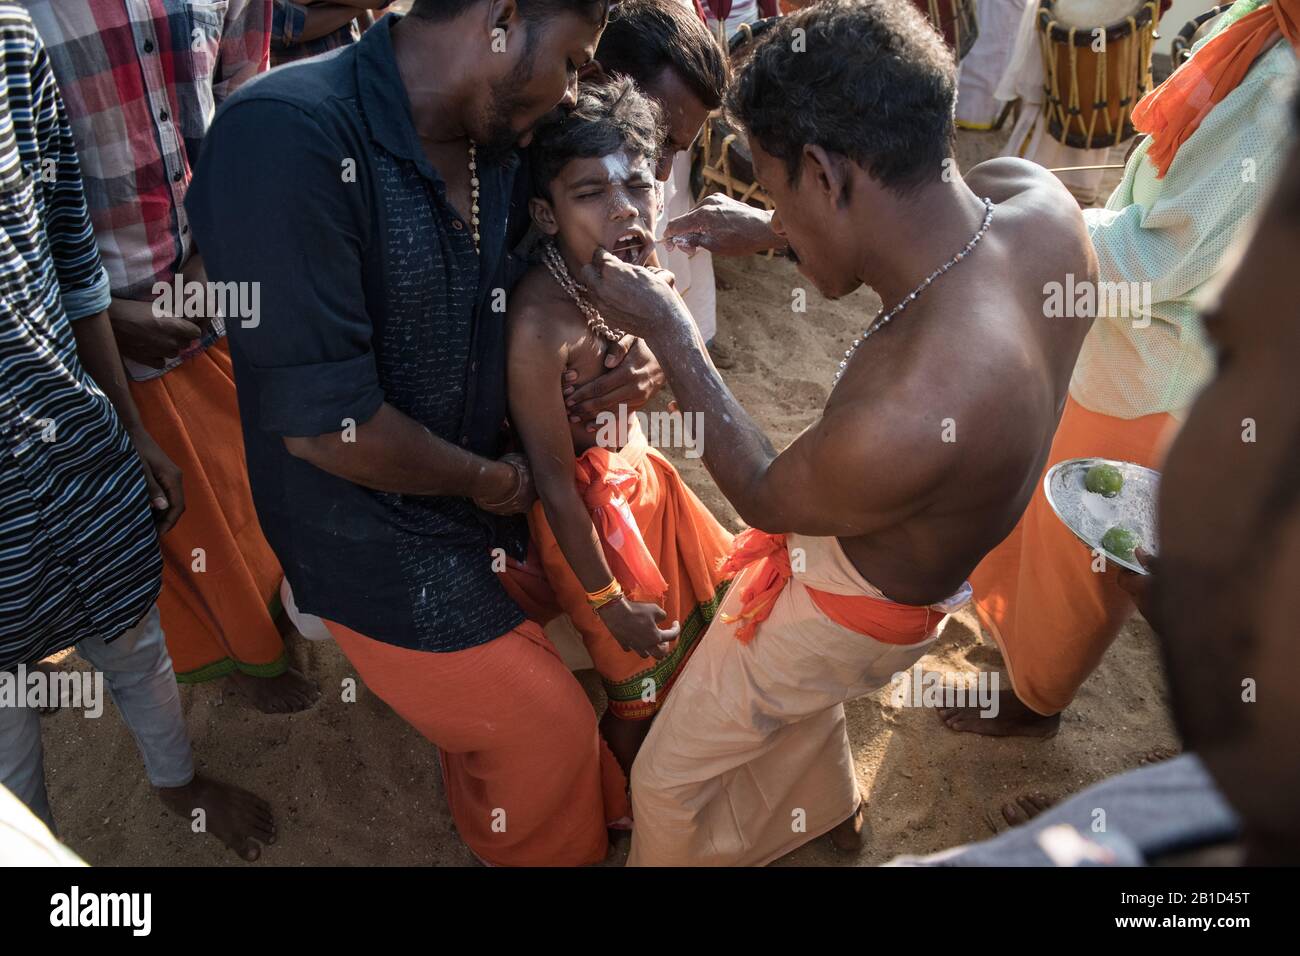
x=1120, y=542
x=1104, y=480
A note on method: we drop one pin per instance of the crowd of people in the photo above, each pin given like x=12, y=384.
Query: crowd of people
x=317, y=316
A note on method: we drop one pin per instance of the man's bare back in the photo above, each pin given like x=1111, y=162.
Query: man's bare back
x=965, y=388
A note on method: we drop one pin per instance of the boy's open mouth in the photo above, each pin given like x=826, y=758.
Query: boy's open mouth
x=631, y=247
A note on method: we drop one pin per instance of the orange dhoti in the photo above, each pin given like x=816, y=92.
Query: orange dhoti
x=1036, y=592
x=221, y=582
x=528, y=779
x=662, y=544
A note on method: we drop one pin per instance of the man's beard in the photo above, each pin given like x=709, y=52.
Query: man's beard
x=501, y=138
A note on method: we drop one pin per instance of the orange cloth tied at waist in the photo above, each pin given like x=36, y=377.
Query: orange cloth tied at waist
x=877, y=618
x=1172, y=111
x=606, y=480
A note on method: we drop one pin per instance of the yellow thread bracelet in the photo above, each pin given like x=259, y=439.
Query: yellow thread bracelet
x=606, y=595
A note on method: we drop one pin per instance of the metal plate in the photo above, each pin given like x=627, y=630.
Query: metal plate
x=1089, y=516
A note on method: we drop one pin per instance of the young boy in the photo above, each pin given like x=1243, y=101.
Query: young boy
x=625, y=544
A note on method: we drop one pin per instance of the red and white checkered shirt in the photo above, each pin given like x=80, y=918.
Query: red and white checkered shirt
x=141, y=80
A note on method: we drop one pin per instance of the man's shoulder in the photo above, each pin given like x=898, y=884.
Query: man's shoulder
x=321, y=88
x=1036, y=209
x=1021, y=184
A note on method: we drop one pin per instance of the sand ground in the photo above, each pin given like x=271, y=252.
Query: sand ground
x=352, y=784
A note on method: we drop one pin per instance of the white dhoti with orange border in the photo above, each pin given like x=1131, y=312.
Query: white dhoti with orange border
x=750, y=757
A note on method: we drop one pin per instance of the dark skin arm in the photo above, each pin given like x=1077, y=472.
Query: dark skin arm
x=632, y=379
x=97, y=352
x=846, y=475
x=537, y=354
x=326, y=17
x=726, y=227
x=393, y=452
x=1139, y=586
x=151, y=339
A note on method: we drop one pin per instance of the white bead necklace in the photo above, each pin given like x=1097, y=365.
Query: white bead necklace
x=473, y=193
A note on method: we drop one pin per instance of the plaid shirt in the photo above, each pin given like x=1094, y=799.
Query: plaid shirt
x=290, y=21
x=141, y=80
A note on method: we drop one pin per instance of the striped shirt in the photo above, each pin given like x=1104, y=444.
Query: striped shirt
x=142, y=80
x=78, y=552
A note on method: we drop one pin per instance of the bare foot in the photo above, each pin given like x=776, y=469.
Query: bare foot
x=1020, y=810
x=1013, y=719
x=847, y=836
x=241, y=820
x=721, y=355
x=286, y=694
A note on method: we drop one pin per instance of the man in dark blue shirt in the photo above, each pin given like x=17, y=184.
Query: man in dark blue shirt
x=372, y=389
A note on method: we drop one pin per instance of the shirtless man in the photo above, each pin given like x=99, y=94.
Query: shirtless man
x=878, y=516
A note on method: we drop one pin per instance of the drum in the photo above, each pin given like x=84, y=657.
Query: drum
x=1097, y=65
x=1193, y=31
x=724, y=162
x=955, y=19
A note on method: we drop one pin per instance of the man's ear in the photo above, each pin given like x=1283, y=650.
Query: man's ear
x=829, y=173
x=543, y=214
x=502, y=16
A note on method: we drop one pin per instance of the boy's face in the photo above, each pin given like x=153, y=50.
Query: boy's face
x=609, y=202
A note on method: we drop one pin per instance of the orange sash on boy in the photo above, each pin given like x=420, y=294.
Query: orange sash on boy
x=662, y=544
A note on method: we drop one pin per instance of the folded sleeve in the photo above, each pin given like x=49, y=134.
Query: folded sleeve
x=298, y=241
x=288, y=21
x=83, y=282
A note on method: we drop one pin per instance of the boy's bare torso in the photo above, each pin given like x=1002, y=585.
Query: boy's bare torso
x=567, y=329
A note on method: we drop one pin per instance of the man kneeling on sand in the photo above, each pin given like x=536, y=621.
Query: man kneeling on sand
x=873, y=517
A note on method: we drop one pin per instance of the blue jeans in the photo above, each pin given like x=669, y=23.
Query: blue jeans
x=138, y=672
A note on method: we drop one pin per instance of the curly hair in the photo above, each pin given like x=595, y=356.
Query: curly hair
x=608, y=117
x=871, y=80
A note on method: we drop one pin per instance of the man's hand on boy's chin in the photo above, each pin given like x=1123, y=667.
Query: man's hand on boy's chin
x=631, y=378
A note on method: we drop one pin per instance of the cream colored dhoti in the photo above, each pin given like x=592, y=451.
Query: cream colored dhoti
x=750, y=757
